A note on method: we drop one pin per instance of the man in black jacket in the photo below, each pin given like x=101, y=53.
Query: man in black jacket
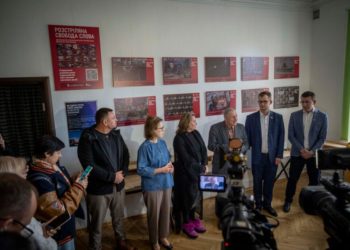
x=103, y=147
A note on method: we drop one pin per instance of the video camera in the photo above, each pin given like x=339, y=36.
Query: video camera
x=242, y=226
x=332, y=200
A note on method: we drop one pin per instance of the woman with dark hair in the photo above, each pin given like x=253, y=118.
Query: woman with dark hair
x=190, y=161
x=155, y=168
x=57, y=192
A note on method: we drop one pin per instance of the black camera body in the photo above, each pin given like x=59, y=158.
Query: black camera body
x=331, y=200
x=242, y=226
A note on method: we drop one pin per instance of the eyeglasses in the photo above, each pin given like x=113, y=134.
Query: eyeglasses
x=263, y=101
x=26, y=232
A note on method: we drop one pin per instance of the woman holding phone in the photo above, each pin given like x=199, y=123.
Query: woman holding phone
x=58, y=194
x=155, y=168
x=190, y=161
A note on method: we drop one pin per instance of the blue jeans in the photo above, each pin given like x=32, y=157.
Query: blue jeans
x=68, y=246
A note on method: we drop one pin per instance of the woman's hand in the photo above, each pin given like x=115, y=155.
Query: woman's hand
x=47, y=231
x=84, y=182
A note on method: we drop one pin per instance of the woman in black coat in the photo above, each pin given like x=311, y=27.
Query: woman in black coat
x=190, y=161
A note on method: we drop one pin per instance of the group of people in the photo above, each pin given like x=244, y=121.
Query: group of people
x=50, y=191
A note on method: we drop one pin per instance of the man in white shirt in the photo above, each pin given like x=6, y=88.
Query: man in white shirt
x=265, y=132
x=307, y=132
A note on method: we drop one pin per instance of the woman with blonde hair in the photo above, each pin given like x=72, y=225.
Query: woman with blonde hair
x=14, y=165
x=190, y=161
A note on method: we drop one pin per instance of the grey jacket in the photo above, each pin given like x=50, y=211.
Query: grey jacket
x=218, y=142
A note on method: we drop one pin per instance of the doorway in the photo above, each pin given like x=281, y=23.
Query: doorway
x=25, y=113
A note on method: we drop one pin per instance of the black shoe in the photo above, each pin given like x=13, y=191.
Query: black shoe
x=271, y=211
x=286, y=207
x=258, y=208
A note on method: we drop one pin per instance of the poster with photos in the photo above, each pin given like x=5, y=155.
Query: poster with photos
x=177, y=104
x=286, y=97
x=76, y=57
x=254, y=68
x=177, y=70
x=286, y=67
x=217, y=101
x=132, y=71
x=220, y=69
x=134, y=110
x=250, y=99
x=80, y=115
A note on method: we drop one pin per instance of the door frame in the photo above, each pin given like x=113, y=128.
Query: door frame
x=44, y=82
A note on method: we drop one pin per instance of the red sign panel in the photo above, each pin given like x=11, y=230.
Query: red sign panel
x=254, y=68
x=134, y=110
x=286, y=67
x=76, y=57
x=220, y=69
x=178, y=104
x=132, y=71
x=177, y=70
x=217, y=101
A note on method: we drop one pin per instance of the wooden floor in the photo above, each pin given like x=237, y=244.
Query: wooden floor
x=297, y=230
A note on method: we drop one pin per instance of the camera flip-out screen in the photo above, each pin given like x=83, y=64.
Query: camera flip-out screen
x=212, y=183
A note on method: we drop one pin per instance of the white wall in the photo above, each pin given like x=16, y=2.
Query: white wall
x=327, y=61
x=153, y=28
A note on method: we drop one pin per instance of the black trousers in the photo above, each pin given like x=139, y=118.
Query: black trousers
x=296, y=167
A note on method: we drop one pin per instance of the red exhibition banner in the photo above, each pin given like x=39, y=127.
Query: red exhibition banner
x=76, y=57
x=177, y=70
x=220, y=69
x=287, y=67
x=217, y=101
x=254, y=68
x=177, y=104
x=132, y=71
x=250, y=99
x=134, y=110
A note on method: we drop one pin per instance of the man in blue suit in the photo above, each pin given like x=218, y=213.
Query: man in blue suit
x=307, y=132
x=265, y=132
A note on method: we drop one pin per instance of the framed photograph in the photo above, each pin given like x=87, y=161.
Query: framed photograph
x=177, y=104
x=286, y=97
x=220, y=69
x=80, y=115
x=177, y=70
x=250, y=99
x=286, y=67
x=132, y=71
x=134, y=110
x=254, y=68
x=217, y=101
x=76, y=57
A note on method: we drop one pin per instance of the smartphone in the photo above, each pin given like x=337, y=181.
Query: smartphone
x=212, y=183
x=86, y=172
x=59, y=220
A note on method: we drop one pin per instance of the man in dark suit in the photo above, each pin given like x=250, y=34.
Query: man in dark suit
x=307, y=132
x=220, y=135
x=265, y=132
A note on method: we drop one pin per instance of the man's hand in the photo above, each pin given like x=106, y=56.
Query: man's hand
x=306, y=154
x=278, y=161
x=119, y=177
